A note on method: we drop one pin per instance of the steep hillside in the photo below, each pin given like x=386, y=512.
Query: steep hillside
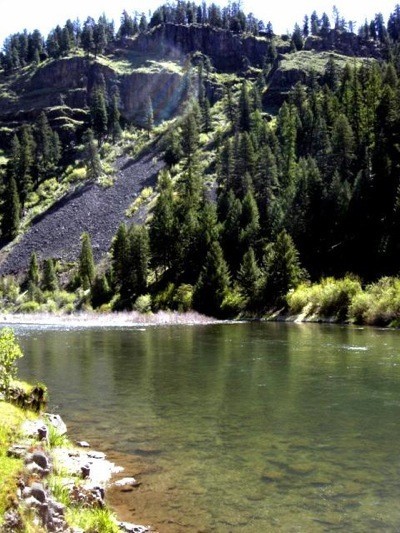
x=278, y=153
x=90, y=208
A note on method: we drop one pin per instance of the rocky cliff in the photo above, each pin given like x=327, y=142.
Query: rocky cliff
x=62, y=88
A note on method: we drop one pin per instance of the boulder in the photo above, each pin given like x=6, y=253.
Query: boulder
x=57, y=422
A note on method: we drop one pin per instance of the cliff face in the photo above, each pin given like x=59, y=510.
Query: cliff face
x=228, y=50
x=62, y=88
x=225, y=49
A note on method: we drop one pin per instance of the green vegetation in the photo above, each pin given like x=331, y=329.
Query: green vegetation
x=344, y=299
x=10, y=352
x=251, y=209
x=92, y=520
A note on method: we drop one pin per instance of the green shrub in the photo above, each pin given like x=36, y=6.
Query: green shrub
x=183, y=297
x=76, y=174
x=379, y=304
x=329, y=298
x=29, y=307
x=232, y=304
x=10, y=352
x=165, y=298
x=9, y=289
x=143, y=303
x=299, y=298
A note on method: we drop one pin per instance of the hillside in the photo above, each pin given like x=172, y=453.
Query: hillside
x=277, y=154
x=90, y=208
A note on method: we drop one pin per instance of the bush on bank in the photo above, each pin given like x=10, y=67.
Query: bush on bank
x=345, y=300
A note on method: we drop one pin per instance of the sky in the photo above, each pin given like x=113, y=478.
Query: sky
x=16, y=15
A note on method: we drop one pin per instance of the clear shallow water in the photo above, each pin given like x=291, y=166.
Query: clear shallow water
x=243, y=427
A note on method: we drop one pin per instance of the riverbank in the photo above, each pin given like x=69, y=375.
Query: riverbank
x=116, y=319
x=50, y=484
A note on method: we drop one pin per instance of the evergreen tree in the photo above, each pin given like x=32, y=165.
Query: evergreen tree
x=139, y=259
x=249, y=277
x=120, y=262
x=86, y=262
x=190, y=137
x=33, y=270
x=173, y=149
x=11, y=211
x=100, y=291
x=231, y=229
x=148, y=115
x=114, y=125
x=282, y=269
x=93, y=163
x=44, y=138
x=213, y=283
x=98, y=112
x=50, y=282
x=244, y=118
x=249, y=222
x=163, y=238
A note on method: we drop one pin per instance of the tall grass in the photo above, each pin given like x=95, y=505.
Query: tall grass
x=11, y=418
x=92, y=520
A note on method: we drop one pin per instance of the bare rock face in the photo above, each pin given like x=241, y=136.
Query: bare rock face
x=166, y=90
x=226, y=49
x=343, y=42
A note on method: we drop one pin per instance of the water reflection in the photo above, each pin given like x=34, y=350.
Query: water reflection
x=250, y=427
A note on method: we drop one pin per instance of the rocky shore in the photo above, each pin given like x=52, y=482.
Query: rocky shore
x=82, y=474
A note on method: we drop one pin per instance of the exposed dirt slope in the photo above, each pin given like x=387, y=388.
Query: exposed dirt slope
x=91, y=208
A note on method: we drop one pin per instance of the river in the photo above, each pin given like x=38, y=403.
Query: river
x=252, y=427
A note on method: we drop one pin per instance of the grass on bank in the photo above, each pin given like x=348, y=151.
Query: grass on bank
x=92, y=520
x=11, y=419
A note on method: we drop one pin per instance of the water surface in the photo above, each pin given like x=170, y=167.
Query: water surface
x=237, y=427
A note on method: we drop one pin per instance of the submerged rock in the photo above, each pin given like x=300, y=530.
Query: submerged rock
x=133, y=528
x=127, y=484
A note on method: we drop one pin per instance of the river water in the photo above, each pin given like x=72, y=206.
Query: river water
x=236, y=427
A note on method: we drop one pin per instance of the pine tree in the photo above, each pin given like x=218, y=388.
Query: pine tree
x=249, y=277
x=33, y=271
x=44, y=138
x=213, y=283
x=114, y=125
x=190, y=137
x=93, y=163
x=148, y=118
x=138, y=260
x=100, y=291
x=282, y=269
x=163, y=239
x=11, y=211
x=120, y=262
x=98, y=112
x=86, y=262
x=50, y=282
x=230, y=237
x=250, y=224
x=244, y=117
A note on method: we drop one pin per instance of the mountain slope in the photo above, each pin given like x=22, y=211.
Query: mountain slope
x=90, y=208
